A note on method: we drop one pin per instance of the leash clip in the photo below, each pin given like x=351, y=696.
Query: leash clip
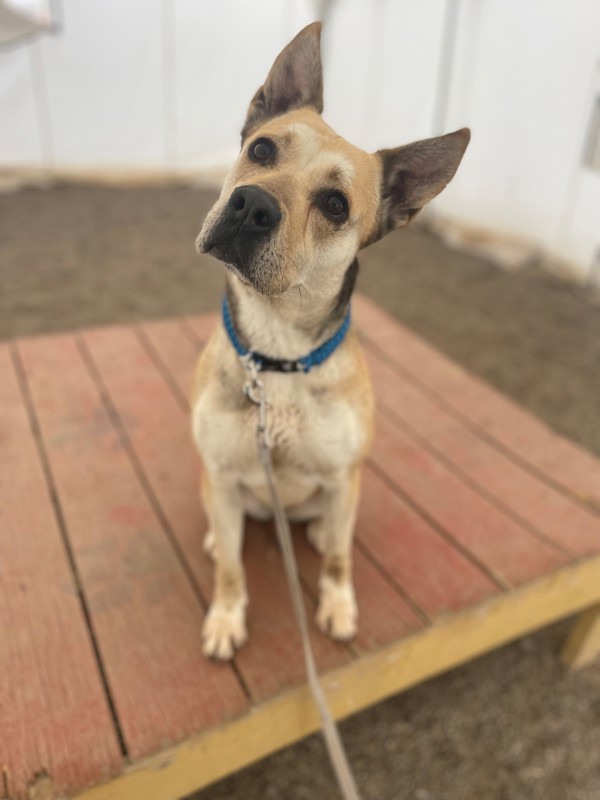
x=254, y=389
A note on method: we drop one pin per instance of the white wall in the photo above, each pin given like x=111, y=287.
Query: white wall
x=526, y=76
x=164, y=84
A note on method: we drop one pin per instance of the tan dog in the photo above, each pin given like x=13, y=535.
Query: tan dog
x=296, y=207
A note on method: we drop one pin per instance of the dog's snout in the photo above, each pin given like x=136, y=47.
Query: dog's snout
x=256, y=210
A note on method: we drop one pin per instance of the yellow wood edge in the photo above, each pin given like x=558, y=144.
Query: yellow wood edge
x=583, y=645
x=448, y=643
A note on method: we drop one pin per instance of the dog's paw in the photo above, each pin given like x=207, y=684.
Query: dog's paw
x=224, y=630
x=210, y=545
x=315, y=534
x=337, y=614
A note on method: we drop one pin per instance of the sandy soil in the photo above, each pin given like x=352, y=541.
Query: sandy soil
x=510, y=726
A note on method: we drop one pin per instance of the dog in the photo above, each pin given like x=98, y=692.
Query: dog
x=295, y=209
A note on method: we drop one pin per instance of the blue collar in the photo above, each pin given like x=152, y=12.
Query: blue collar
x=266, y=363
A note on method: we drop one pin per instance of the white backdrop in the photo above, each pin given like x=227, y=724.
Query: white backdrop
x=162, y=85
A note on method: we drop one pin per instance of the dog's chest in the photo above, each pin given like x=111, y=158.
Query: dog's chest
x=312, y=434
x=308, y=431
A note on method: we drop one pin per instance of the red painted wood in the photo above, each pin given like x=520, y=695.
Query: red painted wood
x=511, y=553
x=54, y=714
x=511, y=426
x=159, y=431
x=145, y=614
x=552, y=513
x=174, y=344
x=203, y=326
x=428, y=568
x=429, y=541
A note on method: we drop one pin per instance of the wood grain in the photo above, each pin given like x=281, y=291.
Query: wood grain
x=144, y=611
x=54, y=713
x=509, y=552
x=465, y=497
x=512, y=428
x=426, y=565
x=549, y=512
x=440, y=647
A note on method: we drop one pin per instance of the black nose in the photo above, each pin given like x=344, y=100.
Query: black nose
x=255, y=210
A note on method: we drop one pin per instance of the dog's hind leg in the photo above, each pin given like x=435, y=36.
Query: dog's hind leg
x=225, y=624
x=337, y=612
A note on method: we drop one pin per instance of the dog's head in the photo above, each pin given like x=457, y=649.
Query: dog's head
x=300, y=201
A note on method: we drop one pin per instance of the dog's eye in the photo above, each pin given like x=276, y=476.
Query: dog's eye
x=335, y=206
x=262, y=150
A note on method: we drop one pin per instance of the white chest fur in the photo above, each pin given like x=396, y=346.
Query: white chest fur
x=315, y=428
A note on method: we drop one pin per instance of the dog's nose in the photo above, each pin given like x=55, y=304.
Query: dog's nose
x=256, y=210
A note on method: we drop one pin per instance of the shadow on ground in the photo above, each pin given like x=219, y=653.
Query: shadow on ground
x=512, y=725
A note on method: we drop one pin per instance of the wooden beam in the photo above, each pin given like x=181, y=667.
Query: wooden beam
x=447, y=644
x=583, y=645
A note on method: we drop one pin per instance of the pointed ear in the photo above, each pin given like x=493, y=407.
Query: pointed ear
x=295, y=80
x=414, y=174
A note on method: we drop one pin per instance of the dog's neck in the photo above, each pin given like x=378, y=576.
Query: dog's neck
x=290, y=324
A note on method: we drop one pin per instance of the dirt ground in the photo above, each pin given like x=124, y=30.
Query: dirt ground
x=512, y=725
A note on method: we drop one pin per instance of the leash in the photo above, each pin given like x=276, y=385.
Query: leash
x=254, y=389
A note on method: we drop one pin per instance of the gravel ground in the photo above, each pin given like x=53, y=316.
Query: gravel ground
x=513, y=725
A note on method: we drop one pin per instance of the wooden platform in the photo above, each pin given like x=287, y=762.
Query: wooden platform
x=476, y=526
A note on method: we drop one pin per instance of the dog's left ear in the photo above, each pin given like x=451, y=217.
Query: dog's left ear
x=295, y=80
x=414, y=174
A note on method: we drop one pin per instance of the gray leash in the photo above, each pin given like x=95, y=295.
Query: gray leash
x=255, y=391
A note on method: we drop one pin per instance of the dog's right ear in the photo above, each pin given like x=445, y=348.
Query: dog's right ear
x=295, y=80
x=415, y=173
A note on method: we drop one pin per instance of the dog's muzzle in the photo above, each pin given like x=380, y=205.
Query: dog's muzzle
x=249, y=219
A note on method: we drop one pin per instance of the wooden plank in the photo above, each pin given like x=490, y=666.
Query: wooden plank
x=429, y=569
x=159, y=432
x=172, y=342
x=509, y=552
x=511, y=427
x=454, y=641
x=551, y=513
x=202, y=327
x=145, y=614
x=54, y=714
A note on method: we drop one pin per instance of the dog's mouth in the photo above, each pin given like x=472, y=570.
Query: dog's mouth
x=228, y=253
x=238, y=274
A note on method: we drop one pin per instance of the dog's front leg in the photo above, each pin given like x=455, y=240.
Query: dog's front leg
x=225, y=624
x=332, y=534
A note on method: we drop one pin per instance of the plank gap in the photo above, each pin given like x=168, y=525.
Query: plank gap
x=479, y=431
x=496, y=579
x=189, y=333
x=413, y=434
x=115, y=418
x=62, y=526
x=391, y=581
x=161, y=367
